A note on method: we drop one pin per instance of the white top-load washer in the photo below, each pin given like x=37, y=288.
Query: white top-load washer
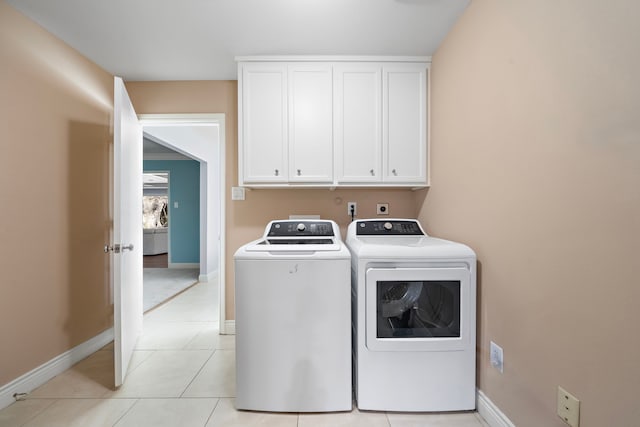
x=414, y=318
x=293, y=319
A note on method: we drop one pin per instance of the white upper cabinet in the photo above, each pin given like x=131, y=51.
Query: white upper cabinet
x=263, y=123
x=404, y=123
x=337, y=122
x=358, y=123
x=310, y=123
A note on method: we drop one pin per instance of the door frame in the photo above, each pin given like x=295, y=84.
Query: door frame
x=217, y=119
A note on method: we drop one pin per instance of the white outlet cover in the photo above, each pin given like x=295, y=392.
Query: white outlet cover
x=355, y=208
x=568, y=407
x=496, y=357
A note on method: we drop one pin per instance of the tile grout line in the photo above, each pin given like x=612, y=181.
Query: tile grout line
x=126, y=412
x=386, y=415
x=34, y=416
x=197, y=373
x=212, y=411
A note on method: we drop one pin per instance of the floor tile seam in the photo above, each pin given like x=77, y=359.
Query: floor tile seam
x=173, y=322
x=481, y=420
x=37, y=413
x=197, y=373
x=131, y=370
x=161, y=398
x=212, y=411
x=164, y=350
x=127, y=411
x=81, y=398
x=170, y=322
x=202, y=329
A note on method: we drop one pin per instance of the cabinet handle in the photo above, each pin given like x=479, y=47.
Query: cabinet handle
x=276, y=172
x=372, y=172
x=393, y=171
x=299, y=173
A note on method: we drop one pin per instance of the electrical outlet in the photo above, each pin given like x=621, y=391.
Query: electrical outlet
x=351, y=205
x=496, y=357
x=568, y=407
x=382, y=208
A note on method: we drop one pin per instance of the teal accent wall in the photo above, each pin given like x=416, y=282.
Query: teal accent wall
x=184, y=222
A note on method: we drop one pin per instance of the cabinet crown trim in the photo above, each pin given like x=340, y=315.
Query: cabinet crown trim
x=332, y=58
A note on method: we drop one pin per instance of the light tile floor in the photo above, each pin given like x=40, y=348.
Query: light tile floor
x=161, y=284
x=182, y=375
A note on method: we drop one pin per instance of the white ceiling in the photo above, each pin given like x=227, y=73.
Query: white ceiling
x=198, y=39
x=152, y=150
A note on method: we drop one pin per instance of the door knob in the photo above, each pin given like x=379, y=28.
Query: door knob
x=117, y=248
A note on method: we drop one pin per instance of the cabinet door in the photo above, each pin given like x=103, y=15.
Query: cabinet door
x=310, y=123
x=263, y=139
x=404, y=123
x=358, y=122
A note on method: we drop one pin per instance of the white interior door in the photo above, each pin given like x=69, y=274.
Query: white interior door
x=126, y=247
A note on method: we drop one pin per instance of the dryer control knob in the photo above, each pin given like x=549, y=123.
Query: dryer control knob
x=301, y=227
x=388, y=226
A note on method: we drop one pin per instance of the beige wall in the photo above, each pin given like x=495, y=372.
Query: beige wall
x=55, y=115
x=536, y=165
x=246, y=219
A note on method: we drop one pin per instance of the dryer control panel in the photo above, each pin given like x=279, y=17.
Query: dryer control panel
x=391, y=227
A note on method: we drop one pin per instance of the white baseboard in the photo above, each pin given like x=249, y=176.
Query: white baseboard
x=490, y=412
x=209, y=277
x=43, y=373
x=183, y=265
x=229, y=327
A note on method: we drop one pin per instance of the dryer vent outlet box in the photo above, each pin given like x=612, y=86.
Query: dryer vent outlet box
x=382, y=208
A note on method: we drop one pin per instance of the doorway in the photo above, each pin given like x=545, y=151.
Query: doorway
x=171, y=222
x=155, y=216
x=200, y=137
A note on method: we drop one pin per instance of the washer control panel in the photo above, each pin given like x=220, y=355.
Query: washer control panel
x=300, y=228
x=392, y=227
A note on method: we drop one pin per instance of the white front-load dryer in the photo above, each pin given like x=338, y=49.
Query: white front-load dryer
x=414, y=318
x=293, y=319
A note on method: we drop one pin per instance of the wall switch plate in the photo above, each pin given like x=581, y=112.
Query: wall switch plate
x=496, y=357
x=382, y=208
x=355, y=208
x=568, y=407
x=237, y=193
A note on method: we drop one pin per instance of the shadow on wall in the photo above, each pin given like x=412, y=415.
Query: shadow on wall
x=90, y=302
x=480, y=356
